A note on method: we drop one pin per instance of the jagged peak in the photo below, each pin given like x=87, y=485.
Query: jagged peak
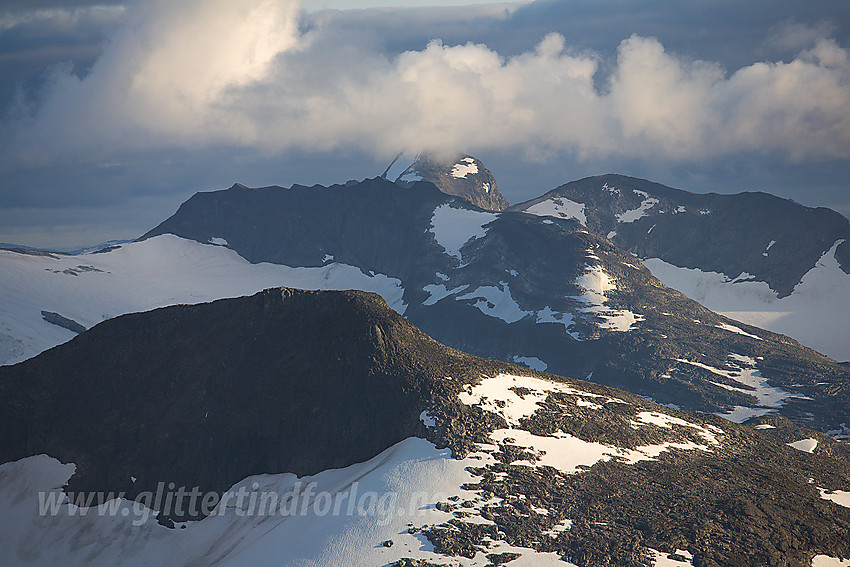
x=463, y=176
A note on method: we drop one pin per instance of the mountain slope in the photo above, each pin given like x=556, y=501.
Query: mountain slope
x=542, y=291
x=761, y=259
x=292, y=381
x=520, y=287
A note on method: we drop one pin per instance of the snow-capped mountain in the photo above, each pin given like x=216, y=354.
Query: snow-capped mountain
x=464, y=177
x=318, y=428
x=754, y=257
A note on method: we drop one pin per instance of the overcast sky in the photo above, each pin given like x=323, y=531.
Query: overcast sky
x=113, y=113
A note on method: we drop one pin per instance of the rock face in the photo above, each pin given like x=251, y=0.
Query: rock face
x=64, y=322
x=541, y=290
x=768, y=238
x=294, y=381
x=465, y=177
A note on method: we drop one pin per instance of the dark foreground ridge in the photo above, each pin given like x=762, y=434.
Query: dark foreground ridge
x=282, y=381
x=296, y=381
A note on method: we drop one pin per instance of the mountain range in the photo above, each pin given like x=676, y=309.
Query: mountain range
x=503, y=463
x=555, y=425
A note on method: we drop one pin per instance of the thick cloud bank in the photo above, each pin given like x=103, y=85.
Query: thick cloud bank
x=214, y=73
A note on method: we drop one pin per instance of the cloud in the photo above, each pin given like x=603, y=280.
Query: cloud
x=202, y=74
x=797, y=36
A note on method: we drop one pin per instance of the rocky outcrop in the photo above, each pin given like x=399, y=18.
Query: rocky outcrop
x=465, y=177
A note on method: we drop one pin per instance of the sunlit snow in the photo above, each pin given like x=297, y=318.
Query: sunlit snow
x=827, y=561
x=840, y=497
x=464, y=167
x=139, y=276
x=807, y=445
x=817, y=313
x=518, y=397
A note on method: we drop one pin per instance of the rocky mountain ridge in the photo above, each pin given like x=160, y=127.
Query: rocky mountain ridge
x=753, y=235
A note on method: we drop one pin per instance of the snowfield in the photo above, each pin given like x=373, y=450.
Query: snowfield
x=452, y=228
x=141, y=276
x=415, y=473
x=817, y=313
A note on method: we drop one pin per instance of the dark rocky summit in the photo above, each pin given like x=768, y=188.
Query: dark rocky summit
x=285, y=380
x=464, y=177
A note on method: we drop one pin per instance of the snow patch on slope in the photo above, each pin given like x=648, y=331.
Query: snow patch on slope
x=827, y=561
x=548, y=315
x=838, y=496
x=744, y=372
x=464, y=167
x=532, y=362
x=518, y=397
x=596, y=283
x=439, y=292
x=736, y=330
x=817, y=313
x=452, y=228
x=559, y=207
x=496, y=302
x=805, y=445
x=635, y=214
